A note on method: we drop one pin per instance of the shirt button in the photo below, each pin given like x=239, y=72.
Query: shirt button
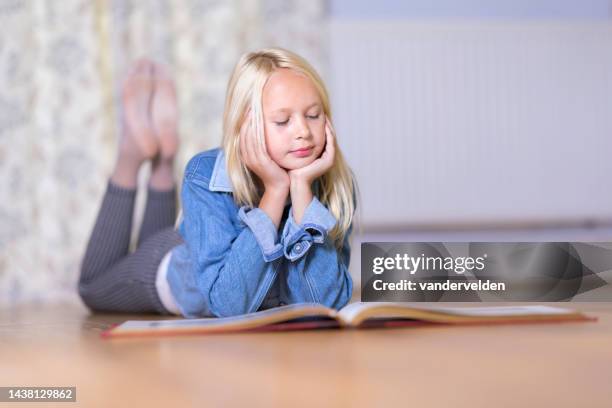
x=298, y=247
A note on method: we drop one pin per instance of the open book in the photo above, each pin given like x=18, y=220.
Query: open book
x=356, y=315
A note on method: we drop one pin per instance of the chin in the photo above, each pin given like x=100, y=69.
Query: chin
x=295, y=164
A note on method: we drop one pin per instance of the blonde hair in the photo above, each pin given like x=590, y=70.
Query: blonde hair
x=337, y=188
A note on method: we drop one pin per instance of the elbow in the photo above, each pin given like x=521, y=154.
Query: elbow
x=342, y=295
x=224, y=305
x=224, y=311
x=230, y=294
x=346, y=293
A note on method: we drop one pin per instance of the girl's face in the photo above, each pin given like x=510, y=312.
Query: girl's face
x=294, y=121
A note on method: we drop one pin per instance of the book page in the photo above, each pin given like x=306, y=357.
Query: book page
x=498, y=311
x=349, y=313
x=273, y=315
x=165, y=324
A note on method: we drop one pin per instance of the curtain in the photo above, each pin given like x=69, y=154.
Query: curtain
x=62, y=64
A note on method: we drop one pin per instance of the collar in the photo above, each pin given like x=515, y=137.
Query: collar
x=219, y=180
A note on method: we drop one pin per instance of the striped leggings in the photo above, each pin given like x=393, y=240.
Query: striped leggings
x=111, y=278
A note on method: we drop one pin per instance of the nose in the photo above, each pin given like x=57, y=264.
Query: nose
x=302, y=131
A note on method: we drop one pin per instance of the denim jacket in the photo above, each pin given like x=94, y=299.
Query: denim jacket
x=233, y=260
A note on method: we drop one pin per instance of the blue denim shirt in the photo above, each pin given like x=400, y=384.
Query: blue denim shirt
x=233, y=260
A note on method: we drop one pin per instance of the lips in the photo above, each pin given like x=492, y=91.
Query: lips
x=302, y=150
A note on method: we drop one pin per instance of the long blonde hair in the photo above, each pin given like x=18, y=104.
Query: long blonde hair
x=337, y=188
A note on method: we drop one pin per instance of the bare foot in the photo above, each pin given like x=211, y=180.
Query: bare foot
x=138, y=139
x=164, y=113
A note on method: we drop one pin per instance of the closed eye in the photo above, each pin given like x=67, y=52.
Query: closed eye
x=308, y=116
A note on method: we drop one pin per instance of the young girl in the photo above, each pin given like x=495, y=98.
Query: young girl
x=279, y=169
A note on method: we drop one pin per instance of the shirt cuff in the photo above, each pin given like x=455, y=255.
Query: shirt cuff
x=264, y=231
x=316, y=224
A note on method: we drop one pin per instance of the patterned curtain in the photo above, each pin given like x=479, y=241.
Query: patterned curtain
x=62, y=64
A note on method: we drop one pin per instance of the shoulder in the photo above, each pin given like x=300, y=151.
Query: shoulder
x=200, y=166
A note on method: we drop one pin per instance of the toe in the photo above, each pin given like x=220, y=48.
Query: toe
x=142, y=69
x=162, y=76
x=143, y=65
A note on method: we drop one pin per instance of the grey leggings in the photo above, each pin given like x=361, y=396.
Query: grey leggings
x=114, y=280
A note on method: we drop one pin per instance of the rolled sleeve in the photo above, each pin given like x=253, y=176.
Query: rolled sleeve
x=314, y=228
x=264, y=231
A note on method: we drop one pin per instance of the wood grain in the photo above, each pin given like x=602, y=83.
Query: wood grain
x=559, y=365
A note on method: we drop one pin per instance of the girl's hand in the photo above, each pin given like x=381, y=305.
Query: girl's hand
x=259, y=162
x=320, y=166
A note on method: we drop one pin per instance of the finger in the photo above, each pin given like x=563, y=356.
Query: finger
x=250, y=143
x=259, y=149
x=332, y=138
x=329, y=136
x=330, y=148
x=243, y=149
x=253, y=143
x=262, y=151
x=241, y=142
x=244, y=142
x=253, y=147
x=331, y=127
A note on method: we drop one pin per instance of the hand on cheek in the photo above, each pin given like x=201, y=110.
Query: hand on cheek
x=301, y=179
x=322, y=164
x=257, y=159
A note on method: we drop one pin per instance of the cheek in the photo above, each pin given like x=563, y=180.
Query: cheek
x=273, y=143
x=319, y=133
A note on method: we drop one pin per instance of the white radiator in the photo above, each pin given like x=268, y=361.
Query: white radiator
x=475, y=123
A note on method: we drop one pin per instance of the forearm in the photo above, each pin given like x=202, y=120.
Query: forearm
x=240, y=283
x=301, y=196
x=273, y=203
x=320, y=277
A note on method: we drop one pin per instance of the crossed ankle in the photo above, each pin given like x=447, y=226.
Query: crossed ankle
x=162, y=177
x=160, y=192
x=117, y=188
x=163, y=162
x=130, y=158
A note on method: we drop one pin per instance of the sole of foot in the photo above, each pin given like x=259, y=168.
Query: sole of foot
x=164, y=113
x=138, y=137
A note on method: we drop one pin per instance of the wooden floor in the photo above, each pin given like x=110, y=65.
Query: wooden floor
x=540, y=365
